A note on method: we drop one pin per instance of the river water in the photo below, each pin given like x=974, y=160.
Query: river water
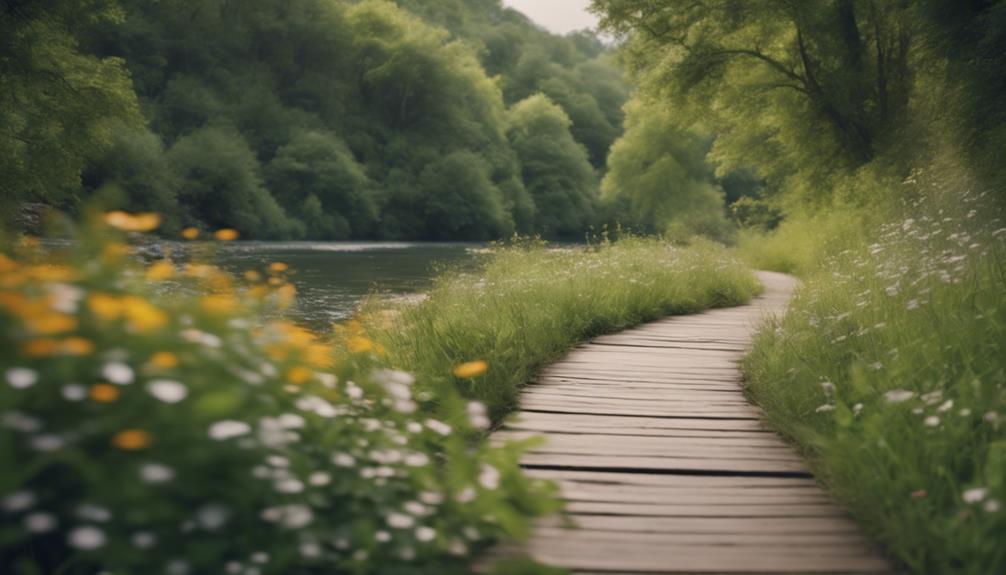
x=333, y=277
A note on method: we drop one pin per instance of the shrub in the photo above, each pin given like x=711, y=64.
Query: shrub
x=146, y=433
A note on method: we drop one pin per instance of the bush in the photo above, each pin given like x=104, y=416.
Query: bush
x=888, y=371
x=182, y=434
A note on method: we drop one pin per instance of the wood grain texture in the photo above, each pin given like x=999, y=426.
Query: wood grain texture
x=664, y=465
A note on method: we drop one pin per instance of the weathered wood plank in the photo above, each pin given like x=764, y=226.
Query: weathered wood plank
x=666, y=468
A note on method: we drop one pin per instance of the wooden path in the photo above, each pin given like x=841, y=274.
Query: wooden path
x=666, y=468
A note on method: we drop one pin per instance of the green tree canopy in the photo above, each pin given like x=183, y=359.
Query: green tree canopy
x=660, y=171
x=556, y=170
x=57, y=103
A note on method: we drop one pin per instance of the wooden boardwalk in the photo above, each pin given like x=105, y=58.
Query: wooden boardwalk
x=666, y=468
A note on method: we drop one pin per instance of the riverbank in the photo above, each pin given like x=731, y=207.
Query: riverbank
x=531, y=304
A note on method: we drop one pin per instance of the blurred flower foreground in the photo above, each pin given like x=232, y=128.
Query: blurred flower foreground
x=153, y=422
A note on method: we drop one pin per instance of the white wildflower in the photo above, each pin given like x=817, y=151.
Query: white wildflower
x=425, y=534
x=74, y=392
x=143, y=540
x=438, y=426
x=86, y=538
x=992, y=506
x=400, y=520
x=416, y=459
x=212, y=516
x=18, y=501
x=40, y=522
x=945, y=406
x=21, y=377
x=932, y=421
x=18, y=421
x=118, y=373
x=489, y=477
x=91, y=512
x=319, y=479
x=156, y=473
x=310, y=550
x=382, y=536
x=343, y=460
x=167, y=390
x=898, y=395
x=228, y=429
x=466, y=495
x=975, y=494
x=824, y=408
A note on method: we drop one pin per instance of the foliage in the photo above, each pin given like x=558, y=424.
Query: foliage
x=332, y=117
x=662, y=172
x=556, y=171
x=56, y=101
x=182, y=433
x=531, y=303
x=888, y=372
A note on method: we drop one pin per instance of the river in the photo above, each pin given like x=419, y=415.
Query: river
x=333, y=277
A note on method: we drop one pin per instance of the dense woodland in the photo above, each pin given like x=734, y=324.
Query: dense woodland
x=313, y=119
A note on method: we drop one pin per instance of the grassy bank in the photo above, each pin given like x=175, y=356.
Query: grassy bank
x=530, y=304
x=889, y=372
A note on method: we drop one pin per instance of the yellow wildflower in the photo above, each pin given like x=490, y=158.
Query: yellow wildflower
x=51, y=273
x=127, y=222
x=104, y=393
x=226, y=235
x=143, y=316
x=318, y=356
x=106, y=307
x=131, y=439
x=164, y=360
x=50, y=323
x=114, y=251
x=7, y=265
x=278, y=267
x=160, y=271
x=471, y=369
x=360, y=344
x=190, y=233
x=218, y=304
x=253, y=276
x=298, y=375
x=40, y=347
x=77, y=346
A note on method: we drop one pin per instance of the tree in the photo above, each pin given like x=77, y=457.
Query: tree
x=785, y=85
x=661, y=172
x=316, y=172
x=55, y=101
x=221, y=186
x=556, y=171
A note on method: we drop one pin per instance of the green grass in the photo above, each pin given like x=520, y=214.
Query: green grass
x=889, y=372
x=529, y=305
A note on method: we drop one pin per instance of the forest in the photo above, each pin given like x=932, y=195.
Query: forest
x=310, y=119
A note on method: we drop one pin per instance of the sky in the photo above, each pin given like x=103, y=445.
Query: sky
x=559, y=16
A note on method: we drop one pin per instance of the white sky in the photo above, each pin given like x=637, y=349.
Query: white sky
x=559, y=16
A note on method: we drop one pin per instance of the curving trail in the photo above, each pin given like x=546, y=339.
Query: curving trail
x=664, y=465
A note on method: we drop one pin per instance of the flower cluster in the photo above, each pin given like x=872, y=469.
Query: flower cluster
x=186, y=434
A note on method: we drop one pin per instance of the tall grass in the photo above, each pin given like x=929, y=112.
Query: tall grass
x=530, y=304
x=889, y=372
